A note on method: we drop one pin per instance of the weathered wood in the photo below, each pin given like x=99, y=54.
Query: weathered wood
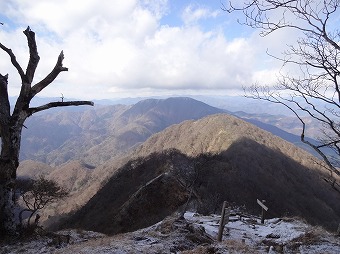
x=262, y=216
x=51, y=76
x=13, y=60
x=34, y=56
x=7, y=222
x=59, y=104
x=226, y=216
x=221, y=227
x=264, y=209
x=262, y=205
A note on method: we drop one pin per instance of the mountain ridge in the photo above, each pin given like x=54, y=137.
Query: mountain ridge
x=252, y=162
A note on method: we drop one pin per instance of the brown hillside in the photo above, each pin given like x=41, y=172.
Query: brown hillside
x=33, y=169
x=135, y=189
x=241, y=163
x=214, y=134
x=72, y=175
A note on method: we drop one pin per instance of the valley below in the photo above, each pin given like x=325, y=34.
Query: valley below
x=130, y=169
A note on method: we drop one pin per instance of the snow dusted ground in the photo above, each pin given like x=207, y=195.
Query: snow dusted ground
x=275, y=236
x=194, y=234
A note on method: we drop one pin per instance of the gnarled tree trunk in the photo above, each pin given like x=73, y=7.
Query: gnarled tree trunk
x=11, y=124
x=10, y=143
x=7, y=220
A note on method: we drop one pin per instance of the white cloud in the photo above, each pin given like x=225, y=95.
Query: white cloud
x=158, y=8
x=267, y=77
x=117, y=48
x=194, y=13
x=65, y=16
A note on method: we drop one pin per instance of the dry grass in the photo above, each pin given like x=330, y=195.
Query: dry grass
x=202, y=250
x=309, y=238
x=238, y=246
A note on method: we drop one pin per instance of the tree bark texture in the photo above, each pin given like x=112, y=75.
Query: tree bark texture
x=11, y=124
x=8, y=162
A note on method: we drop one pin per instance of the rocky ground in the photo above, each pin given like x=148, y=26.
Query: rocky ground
x=193, y=234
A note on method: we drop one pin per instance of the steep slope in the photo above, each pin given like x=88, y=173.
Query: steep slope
x=33, y=169
x=72, y=175
x=136, y=190
x=234, y=161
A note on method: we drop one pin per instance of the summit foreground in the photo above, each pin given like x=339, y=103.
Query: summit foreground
x=194, y=234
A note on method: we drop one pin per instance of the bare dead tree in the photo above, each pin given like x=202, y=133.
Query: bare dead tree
x=12, y=121
x=314, y=88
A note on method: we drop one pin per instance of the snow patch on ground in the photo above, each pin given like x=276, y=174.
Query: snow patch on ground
x=193, y=234
x=286, y=235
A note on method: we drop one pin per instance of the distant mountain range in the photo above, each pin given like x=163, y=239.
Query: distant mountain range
x=98, y=134
x=95, y=135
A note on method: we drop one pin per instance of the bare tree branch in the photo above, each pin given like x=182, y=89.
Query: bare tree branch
x=59, y=104
x=314, y=90
x=34, y=56
x=264, y=93
x=257, y=14
x=14, y=61
x=50, y=77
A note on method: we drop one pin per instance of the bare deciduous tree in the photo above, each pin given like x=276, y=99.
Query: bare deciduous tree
x=313, y=90
x=12, y=122
x=37, y=194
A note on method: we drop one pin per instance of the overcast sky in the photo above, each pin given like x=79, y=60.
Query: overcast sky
x=130, y=48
